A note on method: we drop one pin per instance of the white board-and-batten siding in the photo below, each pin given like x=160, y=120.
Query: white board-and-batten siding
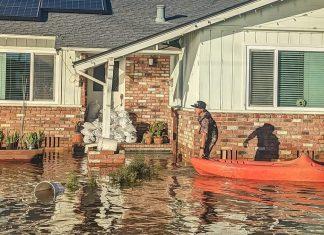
x=217, y=55
x=70, y=90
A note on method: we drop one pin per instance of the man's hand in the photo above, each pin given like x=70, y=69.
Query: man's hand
x=201, y=153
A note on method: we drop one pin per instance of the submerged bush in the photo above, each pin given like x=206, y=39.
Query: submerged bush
x=133, y=174
x=72, y=183
x=92, y=183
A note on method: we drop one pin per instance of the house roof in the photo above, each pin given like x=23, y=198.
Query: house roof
x=131, y=20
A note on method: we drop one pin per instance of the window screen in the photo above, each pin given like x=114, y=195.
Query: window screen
x=44, y=77
x=290, y=78
x=14, y=76
x=15, y=79
x=261, y=78
x=300, y=78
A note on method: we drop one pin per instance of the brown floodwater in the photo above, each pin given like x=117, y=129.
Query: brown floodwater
x=178, y=202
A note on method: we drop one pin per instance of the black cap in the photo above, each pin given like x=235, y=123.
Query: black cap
x=200, y=105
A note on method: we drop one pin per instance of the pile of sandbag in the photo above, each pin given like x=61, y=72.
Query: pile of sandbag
x=121, y=128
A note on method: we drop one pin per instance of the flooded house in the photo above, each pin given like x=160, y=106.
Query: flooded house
x=258, y=64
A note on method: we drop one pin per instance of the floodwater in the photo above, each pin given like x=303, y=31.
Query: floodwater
x=179, y=202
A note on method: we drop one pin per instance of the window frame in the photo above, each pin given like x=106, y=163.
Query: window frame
x=31, y=93
x=275, y=106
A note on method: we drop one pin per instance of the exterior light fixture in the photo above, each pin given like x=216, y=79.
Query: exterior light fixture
x=151, y=61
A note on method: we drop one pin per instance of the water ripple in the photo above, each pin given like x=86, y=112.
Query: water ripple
x=179, y=202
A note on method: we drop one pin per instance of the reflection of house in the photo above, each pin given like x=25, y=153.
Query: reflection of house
x=147, y=209
x=57, y=166
x=253, y=62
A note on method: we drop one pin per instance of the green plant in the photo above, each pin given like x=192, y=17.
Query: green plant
x=12, y=140
x=72, y=183
x=159, y=128
x=31, y=140
x=40, y=138
x=92, y=183
x=151, y=130
x=148, y=134
x=1, y=135
x=133, y=174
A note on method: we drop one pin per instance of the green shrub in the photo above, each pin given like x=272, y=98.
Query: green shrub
x=1, y=135
x=92, y=183
x=72, y=183
x=31, y=140
x=12, y=140
x=40, y=138
x=133, y=174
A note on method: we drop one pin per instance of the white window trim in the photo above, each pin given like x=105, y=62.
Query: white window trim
x=276, y=49
x=32, y=52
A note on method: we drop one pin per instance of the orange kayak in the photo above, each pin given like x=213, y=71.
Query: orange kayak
x=302, y=169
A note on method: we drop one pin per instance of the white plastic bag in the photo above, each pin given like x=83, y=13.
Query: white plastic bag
x=86, y=132
x=131, y=139
x=89, y=126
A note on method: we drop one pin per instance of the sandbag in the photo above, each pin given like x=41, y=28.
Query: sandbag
x=93, y=111
x=86, y=132
x=131, y=139
x=122, y=129
x=89, y=126
x=107, y=144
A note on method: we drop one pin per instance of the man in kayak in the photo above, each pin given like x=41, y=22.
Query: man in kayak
x=208, y=129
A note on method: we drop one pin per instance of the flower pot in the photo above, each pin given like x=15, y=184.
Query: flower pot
x=39, y=144
x=148, y=139
x=158, y=140
x=77, y=138
x=12, y=146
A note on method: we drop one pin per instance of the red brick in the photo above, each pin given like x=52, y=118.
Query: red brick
x=45, y=119
x=310, y=132
x=148, y=77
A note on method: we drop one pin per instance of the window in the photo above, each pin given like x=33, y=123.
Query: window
x=115, y=82
x=280, y=78
x=43, y=80
x=100, y=73
x=17, y=82
x=262, y=65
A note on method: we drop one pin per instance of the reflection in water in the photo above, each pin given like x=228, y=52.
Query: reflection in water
x=179, y=202
x=276, y=207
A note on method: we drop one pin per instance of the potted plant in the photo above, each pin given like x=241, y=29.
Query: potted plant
x=148, y=136
x=12, y=140
x=40, y=139
x=77, y=137
x=159, y=128
x=1, y=137
x=31, y=140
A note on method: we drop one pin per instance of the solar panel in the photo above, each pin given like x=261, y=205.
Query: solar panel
x=32, y=9
x=19, y=9
x=82, y=6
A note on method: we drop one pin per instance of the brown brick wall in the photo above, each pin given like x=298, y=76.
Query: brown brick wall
x=147, y=90
x=294, y=132
x=54, y=121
